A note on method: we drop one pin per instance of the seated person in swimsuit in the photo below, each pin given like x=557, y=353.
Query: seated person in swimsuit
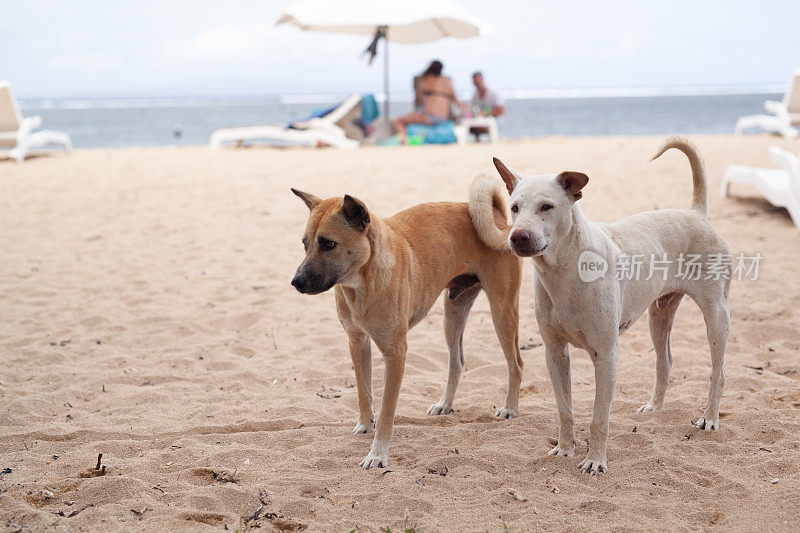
x=435, y=93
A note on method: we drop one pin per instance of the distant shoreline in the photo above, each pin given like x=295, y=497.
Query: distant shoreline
x=400, y=97
x=190, y=121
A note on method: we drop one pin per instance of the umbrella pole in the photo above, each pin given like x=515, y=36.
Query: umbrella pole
x=386, y=73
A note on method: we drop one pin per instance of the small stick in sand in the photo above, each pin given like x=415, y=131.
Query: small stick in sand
x=263, y=499
x=272, y=334
x=98, y=470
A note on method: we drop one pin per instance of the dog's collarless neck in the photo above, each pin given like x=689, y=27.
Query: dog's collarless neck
x=376, y=273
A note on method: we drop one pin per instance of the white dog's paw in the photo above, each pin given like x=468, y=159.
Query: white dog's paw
x=364, y=428
x=506, y=412
x=375, y=460
x=593, y=464
x=708, y=425
x=648, y=408
x=440, y=409
x=564, y=451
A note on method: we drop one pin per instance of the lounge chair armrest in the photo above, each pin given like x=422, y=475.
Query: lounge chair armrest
x=30, y=123
x=777, y=155
x=785, y=160
x=790, y=163
x=26, y=126
x=776, y=108
x=322, y=125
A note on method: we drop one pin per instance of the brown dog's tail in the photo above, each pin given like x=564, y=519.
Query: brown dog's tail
x=700, y=187
x=487, y=209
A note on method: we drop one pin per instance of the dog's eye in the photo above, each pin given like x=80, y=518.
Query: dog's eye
x=514, y=208
x=547, y=207
x=325, y=244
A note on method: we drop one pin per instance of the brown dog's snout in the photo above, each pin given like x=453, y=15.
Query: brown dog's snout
x=521, y=239
x=309, y=280
x=300, y=281
x=303, y=279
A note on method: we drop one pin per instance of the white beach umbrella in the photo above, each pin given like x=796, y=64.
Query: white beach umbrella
x=401, y=21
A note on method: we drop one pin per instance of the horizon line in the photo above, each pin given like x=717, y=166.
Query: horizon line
x=329, y=98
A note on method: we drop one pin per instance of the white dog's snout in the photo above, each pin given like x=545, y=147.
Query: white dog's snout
x=525, y=242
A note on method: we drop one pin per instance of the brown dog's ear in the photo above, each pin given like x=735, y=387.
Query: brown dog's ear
x=355, y=212
x=309, y=199
x=510, y=177
x=573, y=182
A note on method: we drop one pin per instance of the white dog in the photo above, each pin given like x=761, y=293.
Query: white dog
x=585, y=297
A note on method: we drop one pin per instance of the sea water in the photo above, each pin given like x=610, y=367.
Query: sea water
x=158, y=122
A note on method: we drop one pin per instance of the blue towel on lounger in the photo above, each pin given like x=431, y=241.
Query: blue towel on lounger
x=369, y=110
x=442, y=133
x=315, y=113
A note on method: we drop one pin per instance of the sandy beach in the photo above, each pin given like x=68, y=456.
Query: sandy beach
x=146, y=314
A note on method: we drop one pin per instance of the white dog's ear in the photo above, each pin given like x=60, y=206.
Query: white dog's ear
x=573, y=182
x=510, y=177
x=309, y=199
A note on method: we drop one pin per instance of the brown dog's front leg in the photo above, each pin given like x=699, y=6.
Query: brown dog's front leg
x=361, y=354
x=395, y=361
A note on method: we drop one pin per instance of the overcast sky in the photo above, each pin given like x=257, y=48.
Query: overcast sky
x=58, y=49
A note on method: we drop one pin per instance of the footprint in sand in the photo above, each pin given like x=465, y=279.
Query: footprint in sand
x=208, y=476
x=212, y=519
x=314, y=491
x=247, y=320
x=243, y=351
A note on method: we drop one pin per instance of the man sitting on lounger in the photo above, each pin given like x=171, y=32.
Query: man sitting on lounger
x=485, y=102
x=435, y=93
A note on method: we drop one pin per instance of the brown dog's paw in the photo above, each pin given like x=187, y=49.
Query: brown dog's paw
x=440, y=409
x=364, y=428
x=706, y=424
x=506, y=412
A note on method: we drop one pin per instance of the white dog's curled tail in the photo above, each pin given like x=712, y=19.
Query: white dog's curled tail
x=487, y=209
x=700, y=187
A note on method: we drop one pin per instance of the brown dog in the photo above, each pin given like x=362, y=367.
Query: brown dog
x=388, y=273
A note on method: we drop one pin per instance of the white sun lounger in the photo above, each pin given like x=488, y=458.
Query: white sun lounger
x=779, y=186
x=17, y=138
x=326, y=130
x=783, y=115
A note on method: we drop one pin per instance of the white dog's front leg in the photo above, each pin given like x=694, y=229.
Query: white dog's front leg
x=605, y=377
x=557, y=357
